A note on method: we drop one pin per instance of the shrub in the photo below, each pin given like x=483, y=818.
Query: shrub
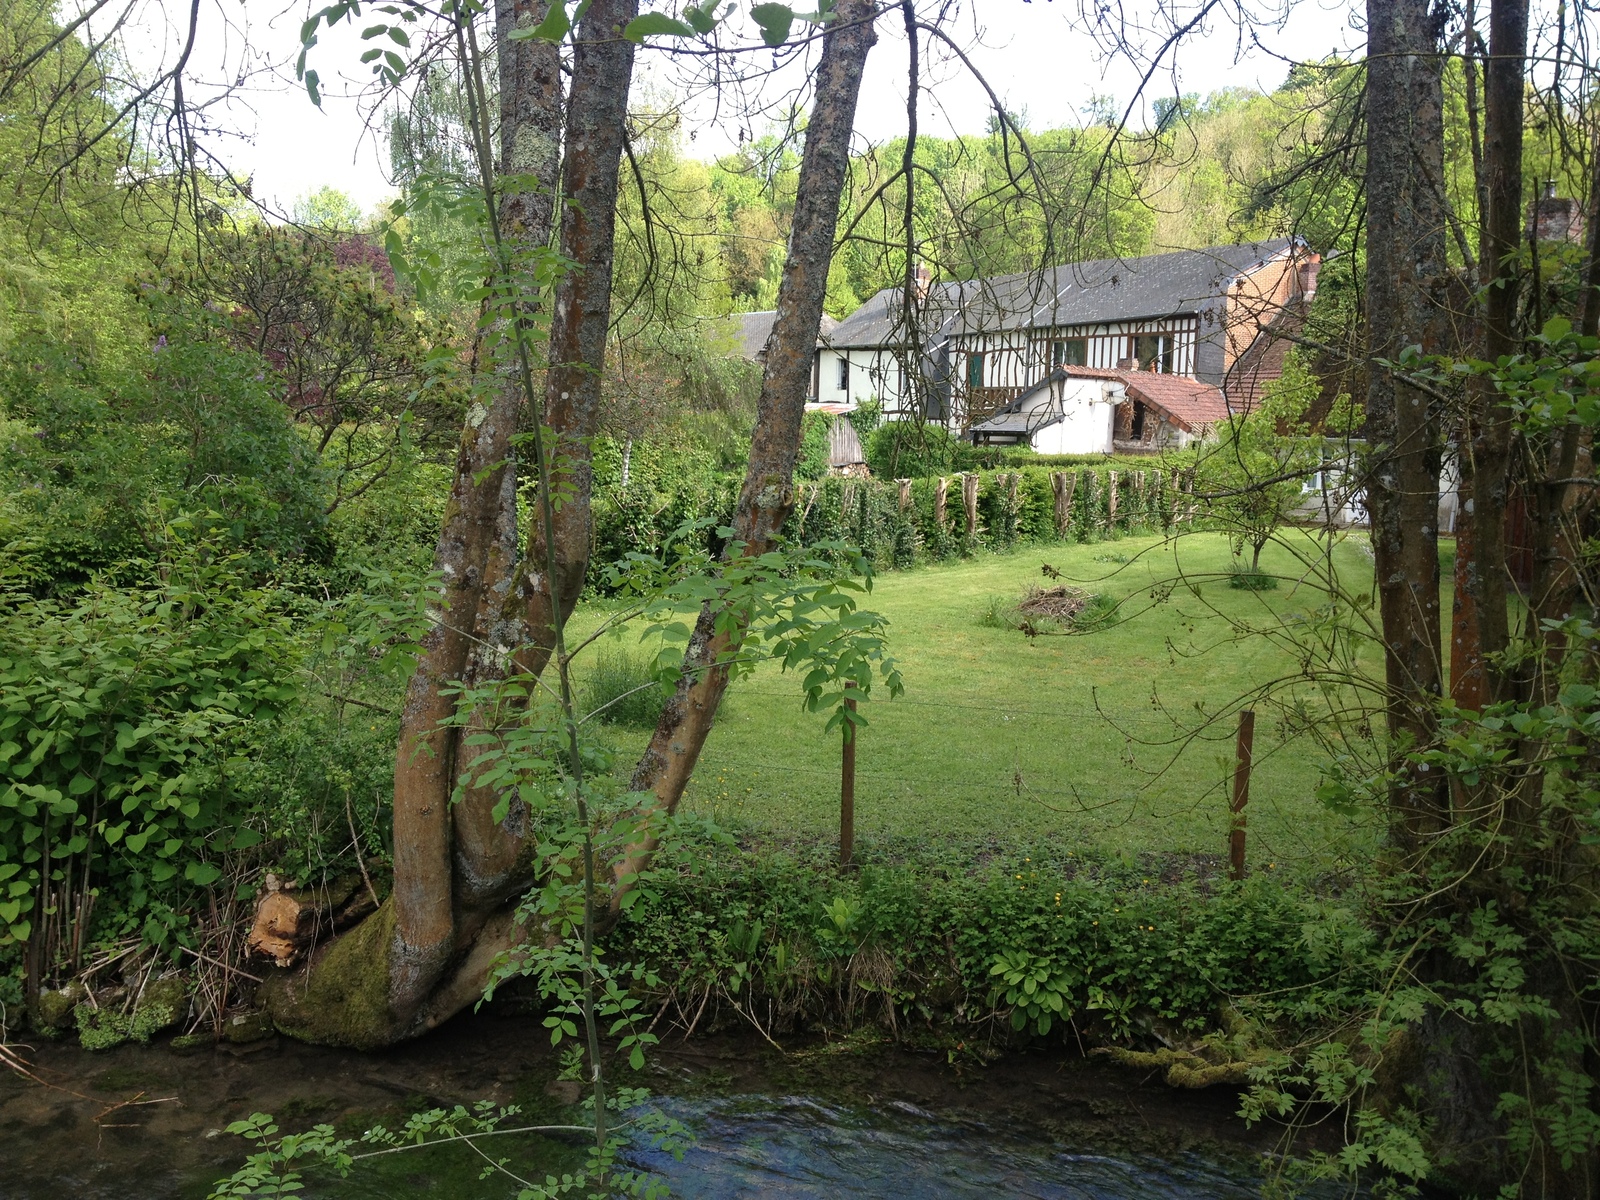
x=124, y=716
x=813, y=460
x=923, y=937
x=1251, y=579
x=911, y=450
x=621, y=689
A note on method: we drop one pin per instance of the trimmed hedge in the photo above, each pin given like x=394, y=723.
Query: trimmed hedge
x=1014, y=506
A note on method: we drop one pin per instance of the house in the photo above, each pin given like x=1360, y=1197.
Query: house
x=1089, y=410
x=865, y=356
x=751, y=331
x=1208, y=315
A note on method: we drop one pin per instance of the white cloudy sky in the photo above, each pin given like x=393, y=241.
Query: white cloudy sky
x=1029, y=50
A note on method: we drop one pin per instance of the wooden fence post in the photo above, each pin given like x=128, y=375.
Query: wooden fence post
x=1241, y=792
x=847, y=787
x=941, y=494
x=1063, y=482
x=905, y=493
x=969, y=501
x=1111, y=500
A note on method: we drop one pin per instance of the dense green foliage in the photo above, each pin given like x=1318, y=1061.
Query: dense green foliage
x=927, y=943
x=123, y=714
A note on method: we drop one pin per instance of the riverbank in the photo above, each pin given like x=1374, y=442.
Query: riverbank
x=149, y=1121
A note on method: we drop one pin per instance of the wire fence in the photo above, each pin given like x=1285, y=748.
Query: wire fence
x=1072, y=768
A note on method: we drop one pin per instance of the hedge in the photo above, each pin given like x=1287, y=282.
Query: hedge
x=1014, y=506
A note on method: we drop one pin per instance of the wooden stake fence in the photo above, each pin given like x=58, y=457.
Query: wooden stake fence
x=847, y=789
x=1241, y=792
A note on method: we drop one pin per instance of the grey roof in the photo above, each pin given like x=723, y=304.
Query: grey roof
x=878, y=321
x=752, y=332
x=1087, y=293
x=752, y=329
x=1018, y=422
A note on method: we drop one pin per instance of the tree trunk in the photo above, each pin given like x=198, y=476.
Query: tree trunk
x=426, y=954
x=1491, y=421
x=520, y=616
x=530, y=152
x=1406, y=279
x=597, y=113
x=768, y=493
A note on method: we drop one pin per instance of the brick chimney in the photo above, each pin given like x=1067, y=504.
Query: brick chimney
x=1553, y=218
x=1128, y=364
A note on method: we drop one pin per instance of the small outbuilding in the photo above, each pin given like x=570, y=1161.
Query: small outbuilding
x=1089, y=410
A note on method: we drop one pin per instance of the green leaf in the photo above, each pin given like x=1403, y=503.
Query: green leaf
x=702, y=17
x=554, y=28
x=312, y=88
x=775, y=20
x=202, y=873
x=655, y=24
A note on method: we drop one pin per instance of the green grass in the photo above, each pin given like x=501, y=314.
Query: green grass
x=1003, y=737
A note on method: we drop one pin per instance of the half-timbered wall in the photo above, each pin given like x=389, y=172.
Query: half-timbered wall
x=988, y=370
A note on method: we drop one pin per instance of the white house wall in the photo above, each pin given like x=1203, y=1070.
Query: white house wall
x=1088, y=414
x=874, y=375
x=1088, y=408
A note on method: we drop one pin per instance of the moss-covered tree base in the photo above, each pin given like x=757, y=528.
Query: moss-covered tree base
x=341, y=998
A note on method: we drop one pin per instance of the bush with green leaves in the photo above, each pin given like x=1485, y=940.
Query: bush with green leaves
x=911, y=450
x=125, y=712
x=98, y=456
x=1034, y=944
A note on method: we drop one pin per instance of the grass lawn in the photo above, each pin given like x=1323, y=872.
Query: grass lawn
x=999, y=737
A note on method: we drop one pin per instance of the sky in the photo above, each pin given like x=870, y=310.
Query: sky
x=1030, y=51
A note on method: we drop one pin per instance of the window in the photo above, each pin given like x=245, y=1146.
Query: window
x=975, y=369
x=844, y=374
x=1153, y=352
x=1071, y=352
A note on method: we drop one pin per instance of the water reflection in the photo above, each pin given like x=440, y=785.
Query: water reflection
x=798, y=1147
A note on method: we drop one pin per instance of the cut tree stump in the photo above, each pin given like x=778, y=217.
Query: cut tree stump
x=289, y=921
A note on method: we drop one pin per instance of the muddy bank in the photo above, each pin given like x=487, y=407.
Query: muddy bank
x=148, y=1121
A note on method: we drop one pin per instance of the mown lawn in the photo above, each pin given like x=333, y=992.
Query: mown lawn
x=1054, y=738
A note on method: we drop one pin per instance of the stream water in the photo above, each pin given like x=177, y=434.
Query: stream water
x=798, y=1147
x=812, y=1122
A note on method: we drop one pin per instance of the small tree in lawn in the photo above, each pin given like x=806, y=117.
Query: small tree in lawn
x=1254, y=477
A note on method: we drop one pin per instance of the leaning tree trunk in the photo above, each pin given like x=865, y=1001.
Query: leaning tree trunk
x=426, y=953
x=1406, y=283
x=768, y=493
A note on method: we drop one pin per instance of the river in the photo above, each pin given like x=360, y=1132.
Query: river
x=818, y=1119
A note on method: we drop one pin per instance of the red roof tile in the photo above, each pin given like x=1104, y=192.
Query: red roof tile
x=1190, y=404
